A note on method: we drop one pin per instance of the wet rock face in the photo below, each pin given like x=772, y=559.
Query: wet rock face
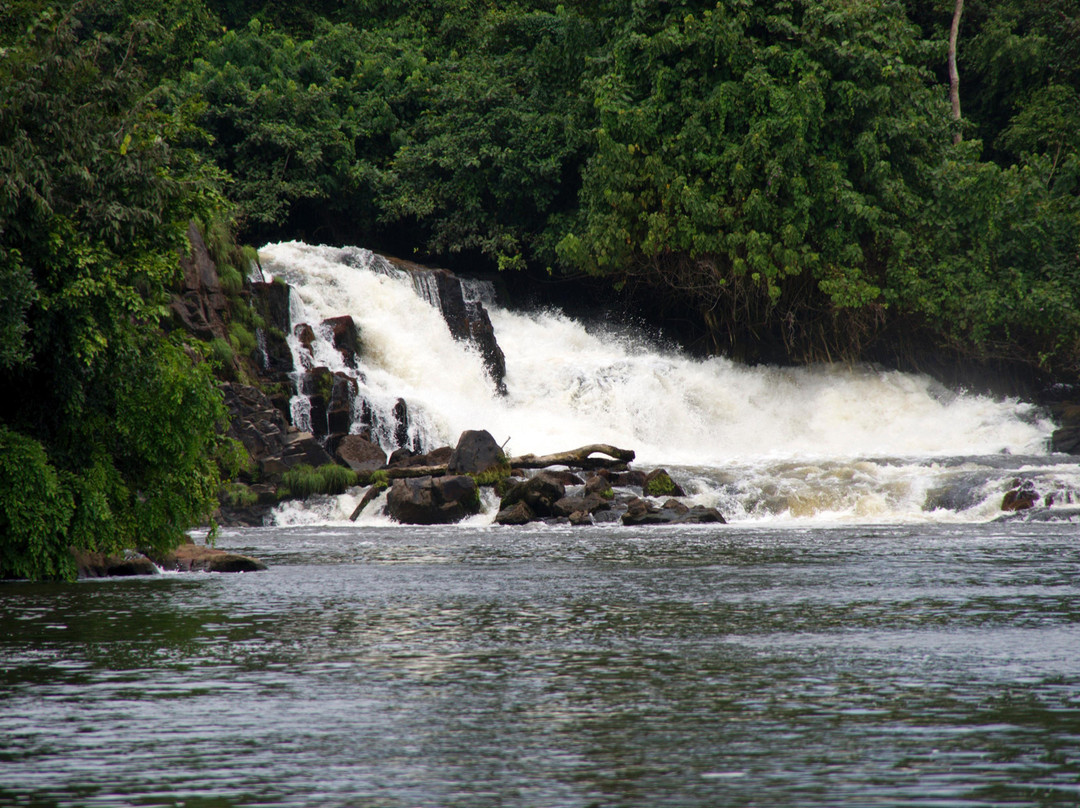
x=346, y=338
x=467, y=319
x=255, y=421
x=271, y=301
x=201, y=306
x=433, y=500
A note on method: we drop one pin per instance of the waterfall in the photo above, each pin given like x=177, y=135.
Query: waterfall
x=757, y=442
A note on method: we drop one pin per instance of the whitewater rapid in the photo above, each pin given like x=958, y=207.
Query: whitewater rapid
x=760, y=442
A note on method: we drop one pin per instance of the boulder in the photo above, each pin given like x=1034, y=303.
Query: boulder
x=305, y=334
x=476, y=452
x=623, y=479
x=302, y=447
x=599, y=485
x=1021, y=498
x=540, y=493
x=580, y=518
x=121, y=565
x=565, y=477
x=359, y=454
x=200, y=558
x=433, y=500
x=658, y=483
x=517, y=514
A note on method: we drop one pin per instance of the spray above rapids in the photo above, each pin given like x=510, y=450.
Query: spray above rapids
x=569, y=384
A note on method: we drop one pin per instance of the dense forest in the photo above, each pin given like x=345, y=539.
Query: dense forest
x=796, y=180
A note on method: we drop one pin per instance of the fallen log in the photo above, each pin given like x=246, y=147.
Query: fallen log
x=371, y=494
x=578, y=458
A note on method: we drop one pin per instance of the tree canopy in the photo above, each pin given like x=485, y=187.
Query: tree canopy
x=109, y=429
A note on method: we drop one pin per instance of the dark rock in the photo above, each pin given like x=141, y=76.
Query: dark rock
x=346, y=338
x=580, y=518
x=1021, y=498
x=433, y=500
x=476, y=453
x=305, y=334
x=100, y=565
x=401, y=418
x=1066, y=440
x=517, y=514
x=658, y=483
x=271, y=301
x=302, y=447
x=540, y=493
x=624, y=479
x=360, y=454
x=466, y=319
x=700, y=515
x=589, y=504
x=405, y=458
x=437, y=457
x=676, y=506
x=565, y=477
x=641, y=512
x=243, y=516
x=200, y=272
x=199, y=558
x=599, y=485
x=255, y=421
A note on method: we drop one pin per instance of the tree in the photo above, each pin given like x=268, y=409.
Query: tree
x=113, y=428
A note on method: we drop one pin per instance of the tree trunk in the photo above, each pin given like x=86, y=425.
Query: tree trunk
x=954, y=75
x=576, y=457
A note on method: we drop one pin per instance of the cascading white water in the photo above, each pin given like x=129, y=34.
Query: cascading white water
x=760, y=443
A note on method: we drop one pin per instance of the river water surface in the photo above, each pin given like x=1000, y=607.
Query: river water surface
x=919, y=664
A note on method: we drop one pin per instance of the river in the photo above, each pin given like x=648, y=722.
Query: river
x=933, y=665
x=869, y=629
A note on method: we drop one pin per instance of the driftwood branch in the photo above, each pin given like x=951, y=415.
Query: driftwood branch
x=371, y=494
x=578, y=458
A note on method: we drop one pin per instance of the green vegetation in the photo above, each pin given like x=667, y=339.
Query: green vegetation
x=304, y=481
x=111, y=431
x=785, y=178
x=660, y=485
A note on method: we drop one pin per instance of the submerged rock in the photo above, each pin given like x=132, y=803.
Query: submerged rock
x=672, y=512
